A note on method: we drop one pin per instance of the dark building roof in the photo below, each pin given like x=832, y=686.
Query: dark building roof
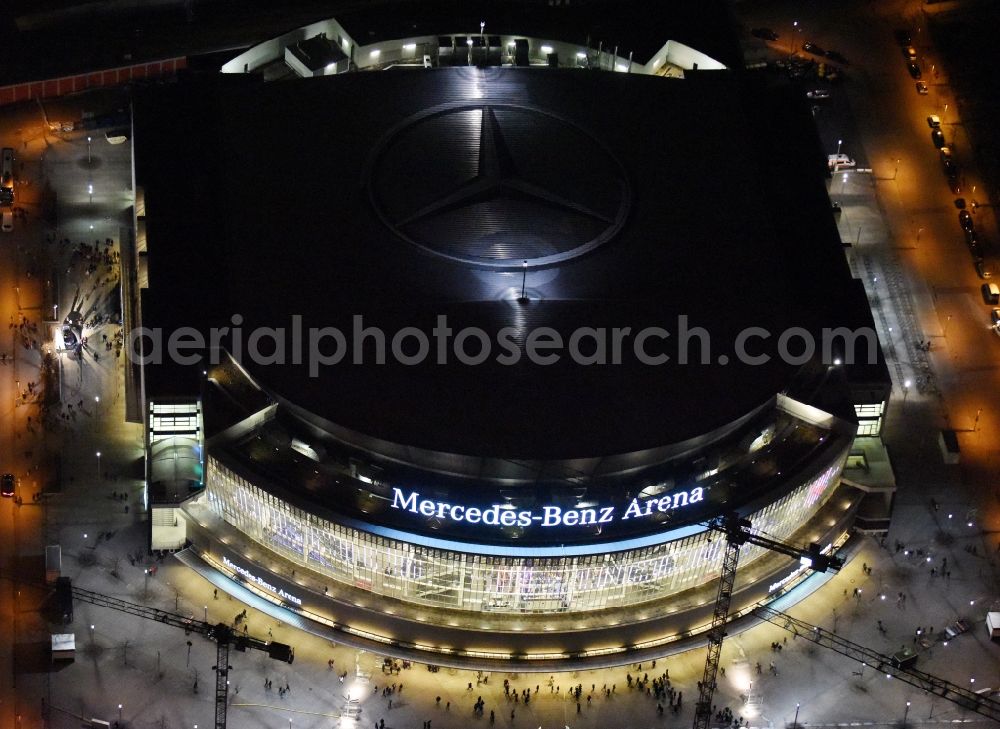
x=407, y=195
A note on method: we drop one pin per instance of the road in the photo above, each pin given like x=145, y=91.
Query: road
x=21, y=439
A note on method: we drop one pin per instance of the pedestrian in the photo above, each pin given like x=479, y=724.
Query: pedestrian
x=215, y=594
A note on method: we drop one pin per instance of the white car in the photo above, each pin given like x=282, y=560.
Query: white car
x=841, y=161
x=934, y=121
x=8, y=220
x=818, y=94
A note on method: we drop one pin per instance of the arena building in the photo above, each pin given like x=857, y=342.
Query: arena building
x=468, y=367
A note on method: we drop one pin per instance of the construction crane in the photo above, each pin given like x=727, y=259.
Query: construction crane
x=738, y=532
x=888, y=665
x=223, y=635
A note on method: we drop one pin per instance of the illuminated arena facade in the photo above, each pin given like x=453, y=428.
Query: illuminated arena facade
x=504, y=514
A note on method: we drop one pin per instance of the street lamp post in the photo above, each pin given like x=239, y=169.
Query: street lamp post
x=975, y=427
x=946, y=322
x=145, y=587
x=836, y=160
x=206, y=613
x=906, y=391
x=119, y=713
x=906, y=712
x=88, y=150
x=791, y=41
x=98, y=465
x=524, y=281
x=189, y=655
x=795, y=721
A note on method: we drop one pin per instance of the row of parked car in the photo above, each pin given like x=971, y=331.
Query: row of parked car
x=905, y=41
x=807, y=68
x=990, y=291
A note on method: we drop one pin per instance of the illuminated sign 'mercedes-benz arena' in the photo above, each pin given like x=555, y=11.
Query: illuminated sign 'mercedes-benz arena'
x=547, y=516
x=260, y=582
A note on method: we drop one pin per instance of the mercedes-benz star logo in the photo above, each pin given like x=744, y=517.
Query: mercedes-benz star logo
x=497, y=185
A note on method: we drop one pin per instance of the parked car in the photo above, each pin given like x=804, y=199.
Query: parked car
x=934, y=121
x=813, y=48
x=937, y=137
x=818, y=94
x=837, y=57
x=921, y=88
x=910, y=53
x=764, y=34
x=965, y=220
x=994, y=318
x=7, y=220
x=982, y=271
x=971, y=238
x=835, y=208
x=69, y=336
x=957, y=628
x=977, y=253
x=991, y=293
x=7, y=485
x=954, y=184
x=914, y=70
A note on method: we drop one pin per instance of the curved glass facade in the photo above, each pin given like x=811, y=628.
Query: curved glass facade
x=467, y=580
